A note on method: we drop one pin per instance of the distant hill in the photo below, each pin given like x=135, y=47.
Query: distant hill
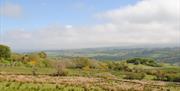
x=169, y=55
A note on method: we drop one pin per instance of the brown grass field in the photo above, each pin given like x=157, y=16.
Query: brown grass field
x=87, y=82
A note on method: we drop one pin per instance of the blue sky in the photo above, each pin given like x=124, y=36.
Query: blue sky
x=69, y=24
x=39, y=13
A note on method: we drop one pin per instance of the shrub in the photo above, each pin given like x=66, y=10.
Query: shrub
x=86, y=68
x=173, y=77
x=137, y=69
x=138, y=76
x=105, y=75
x=110, y=64
x=82, y=62
x=34, y=71
x=121, y=66
x=144, y=61
x=42, y=54
x=103, y=66
x=60, y=69
x=160, y=75
x=60, y=73
x=168, y=77
x=16, y=57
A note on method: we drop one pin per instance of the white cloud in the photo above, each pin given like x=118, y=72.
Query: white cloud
x=147, y=22
x=68, y=26
x=147, y=11
x=11, y=10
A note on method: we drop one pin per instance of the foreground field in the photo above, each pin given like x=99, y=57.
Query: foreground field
x=50, y=83
x=20, y=78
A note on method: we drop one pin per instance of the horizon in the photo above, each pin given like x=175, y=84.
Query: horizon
x=79, y=24
x=93, y=48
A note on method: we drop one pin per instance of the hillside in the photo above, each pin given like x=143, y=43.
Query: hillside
x=169, y=55
x=37, y=71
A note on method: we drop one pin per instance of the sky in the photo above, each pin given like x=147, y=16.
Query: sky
x=69, y=24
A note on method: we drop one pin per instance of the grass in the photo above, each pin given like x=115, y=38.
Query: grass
x=141, y=66
x=49, y=83
x=25, y=70
x=17, y=86
x=20, y=79
x=87, y=73
x=149, y=77
x=171, y=69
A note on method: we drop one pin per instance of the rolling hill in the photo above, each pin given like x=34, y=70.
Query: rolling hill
x=169, y=55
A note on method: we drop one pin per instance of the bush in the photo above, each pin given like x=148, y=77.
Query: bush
x=60, y=73
x=60, y=69
x=5, y=62
x=137, y=69
x=81, y=62
x=102, y=66
x=131, y=76
x=167, y=77
x=173, y=77
x=42, y=54
x=144, y=61
x=16, y=57
x=105, y=75
x=121, y=66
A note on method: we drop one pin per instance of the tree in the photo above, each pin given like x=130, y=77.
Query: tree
x=5, y=52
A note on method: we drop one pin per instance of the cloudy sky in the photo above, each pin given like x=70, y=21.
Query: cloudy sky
x=68, y=24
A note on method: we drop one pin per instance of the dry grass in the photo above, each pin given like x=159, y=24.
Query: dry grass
x=86, y=82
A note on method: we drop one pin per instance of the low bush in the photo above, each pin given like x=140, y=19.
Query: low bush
x=131, y=76
x=60, y=73
x=60, y=69
x=144, y=61
x=173, y=77
x=105, y=75
x=168, y=77
x=81, y=62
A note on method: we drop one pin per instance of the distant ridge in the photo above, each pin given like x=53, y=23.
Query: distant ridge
x=166, y=54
